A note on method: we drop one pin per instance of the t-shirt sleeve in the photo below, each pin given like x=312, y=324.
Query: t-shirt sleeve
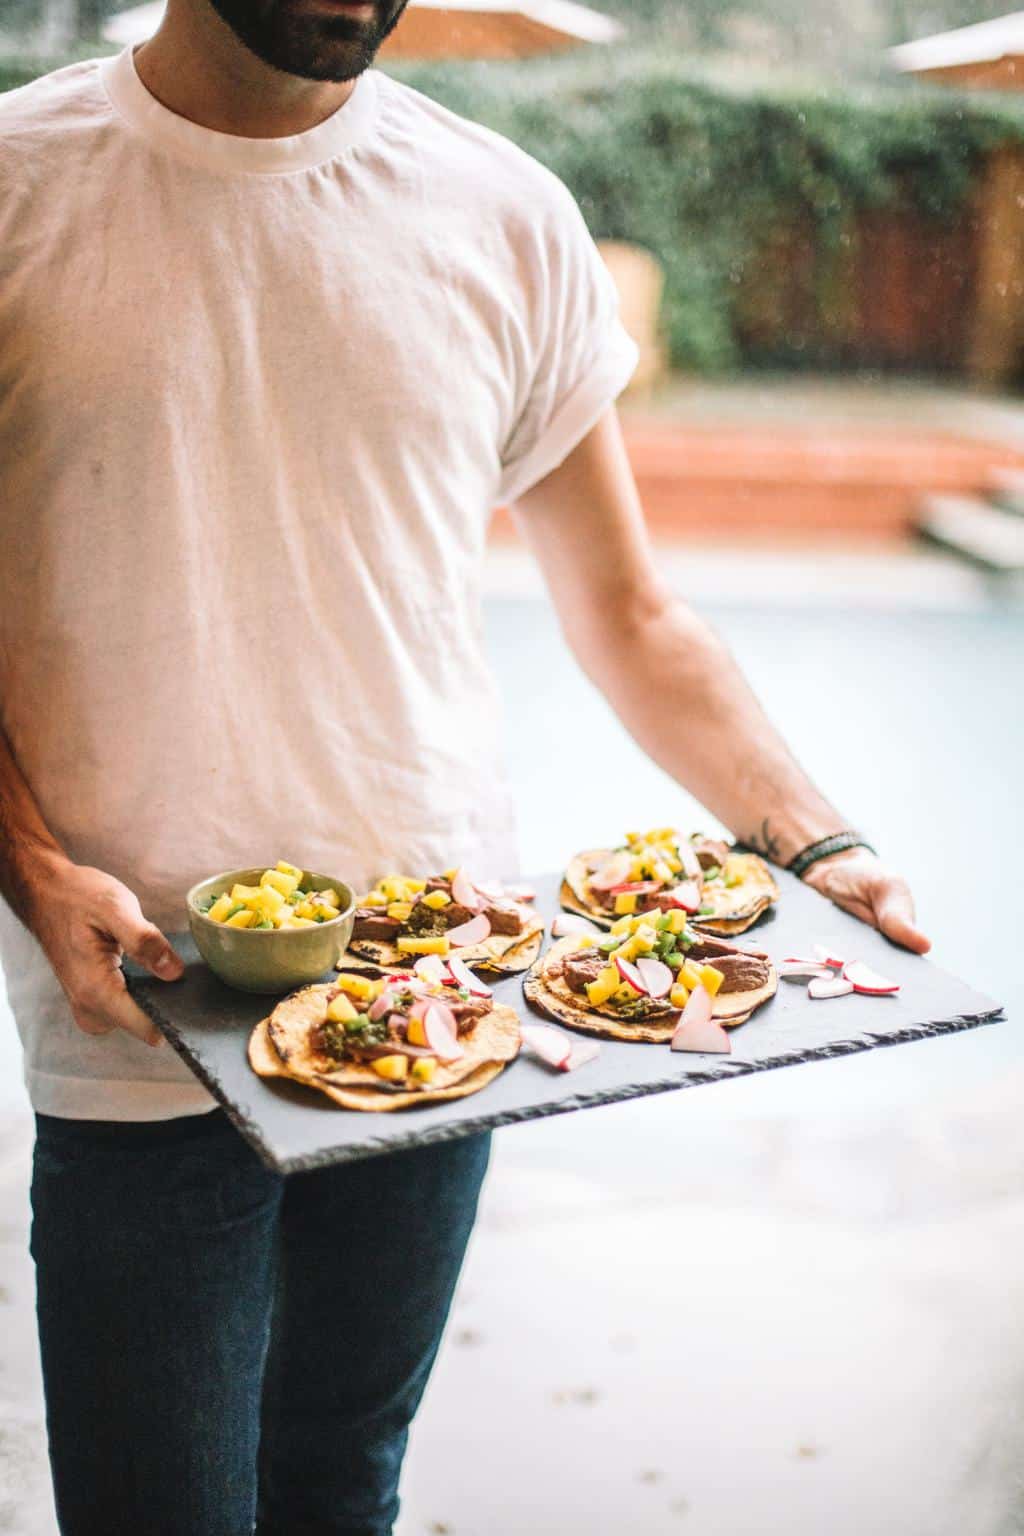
x=581, y=356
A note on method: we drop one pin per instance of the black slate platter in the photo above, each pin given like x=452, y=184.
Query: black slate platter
x=293, y=1128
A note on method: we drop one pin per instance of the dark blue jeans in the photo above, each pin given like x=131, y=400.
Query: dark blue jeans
x=225, y=1350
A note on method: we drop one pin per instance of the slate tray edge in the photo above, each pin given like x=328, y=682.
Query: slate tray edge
x=694, y=1077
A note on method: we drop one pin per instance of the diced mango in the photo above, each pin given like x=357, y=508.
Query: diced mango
x=268, y=903
x=436, y=900
x=423, y=1070
x=243, y=919
x=678, y=997
x=244, y=892
x=416, y=1033
x=281, y=882
x=624, y=993
x=285, y=868
x=429, y=944
x=305, y=909
x=621, y=925
x=340, y=1009
x=221, y=907
x=356, y=986
x=676, y=920
x=414, y=885
x=645, y=938
x=449, y=874
x=604, y=987
x=391, y=1067
x=374, y=898
x=395, y=887
x=690, y=974
x=399, y=910
x=330, y=896
x=298, y=922
x=711, y=979
x=625, y=902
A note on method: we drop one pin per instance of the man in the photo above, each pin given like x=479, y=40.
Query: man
x=276, y=334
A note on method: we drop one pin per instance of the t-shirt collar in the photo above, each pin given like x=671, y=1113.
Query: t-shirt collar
x=227, y=151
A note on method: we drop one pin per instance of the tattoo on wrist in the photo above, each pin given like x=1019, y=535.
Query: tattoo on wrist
x=764, y=842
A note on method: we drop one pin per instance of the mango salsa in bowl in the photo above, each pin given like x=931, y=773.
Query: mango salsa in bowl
x=271, y=929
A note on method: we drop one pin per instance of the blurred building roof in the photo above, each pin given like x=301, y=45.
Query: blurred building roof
x=961, y=52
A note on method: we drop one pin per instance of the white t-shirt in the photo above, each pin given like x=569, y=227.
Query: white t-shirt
x=258, y=398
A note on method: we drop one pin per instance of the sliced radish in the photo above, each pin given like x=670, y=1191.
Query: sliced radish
x=686, y=896
x=381, y=1005
x=397, y=1020
x=463, y=977
x=430, y=968
x=613, y=871
x=802, y=970
x=656, y=976
x=582, y=1052
x=521, y=892
x=567, y=922
x=441, y=1034
x=697, y=1030
x=864, y=979
x=630, y=975
x=829, y=986
x=689, y=860
x=490, y=890
x=827, y=955
x=552, y=1045
x=636, y=887
x=473, y=932
x=464, y=892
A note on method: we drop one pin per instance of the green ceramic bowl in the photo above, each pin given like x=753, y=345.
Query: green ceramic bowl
x=271, y=960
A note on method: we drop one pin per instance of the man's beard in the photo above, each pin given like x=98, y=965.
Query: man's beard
x=303, y=40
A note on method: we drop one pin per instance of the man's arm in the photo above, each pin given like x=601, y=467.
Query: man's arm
x=693, y=712
x=84, y=920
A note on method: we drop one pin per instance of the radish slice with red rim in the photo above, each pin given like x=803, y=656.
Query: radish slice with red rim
x=689, y=860
x=464, y=892
x=464, y=977
x=864, y=979
x=697, y=1030
x=630, y=975
x=826, y=953
x=612, y=872
x=567, y=922
x=490, y=890
x=553, y=1046
x=441, y=1032
x=474, y=932
x=802, y=970
x=686, y=896
x=430, y=968
x=521, y=892
x=656, y=976
x=829, y=986
x=380, y=1006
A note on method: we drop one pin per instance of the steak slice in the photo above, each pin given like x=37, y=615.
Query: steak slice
x=581, y=967
x=372, y=924
x=711, y=852
x=505, y=918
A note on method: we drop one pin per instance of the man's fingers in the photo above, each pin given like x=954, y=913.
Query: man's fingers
x=103, y=1004
x=143, y=942
x=123, y=1012
x=894, y=914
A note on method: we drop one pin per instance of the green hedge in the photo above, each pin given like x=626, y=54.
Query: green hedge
x=697, y=169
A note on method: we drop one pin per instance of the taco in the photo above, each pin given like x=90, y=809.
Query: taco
x=634, y=984
x=490, y=927
x=721, y=890
x=386, y=1043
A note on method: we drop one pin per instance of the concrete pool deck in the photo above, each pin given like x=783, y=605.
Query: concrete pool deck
x=786, y=1304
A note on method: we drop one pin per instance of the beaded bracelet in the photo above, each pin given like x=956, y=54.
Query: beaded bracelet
x=824, y=848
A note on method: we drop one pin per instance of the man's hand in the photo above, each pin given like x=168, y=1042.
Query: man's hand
x=85, y=921
x=859, y=882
